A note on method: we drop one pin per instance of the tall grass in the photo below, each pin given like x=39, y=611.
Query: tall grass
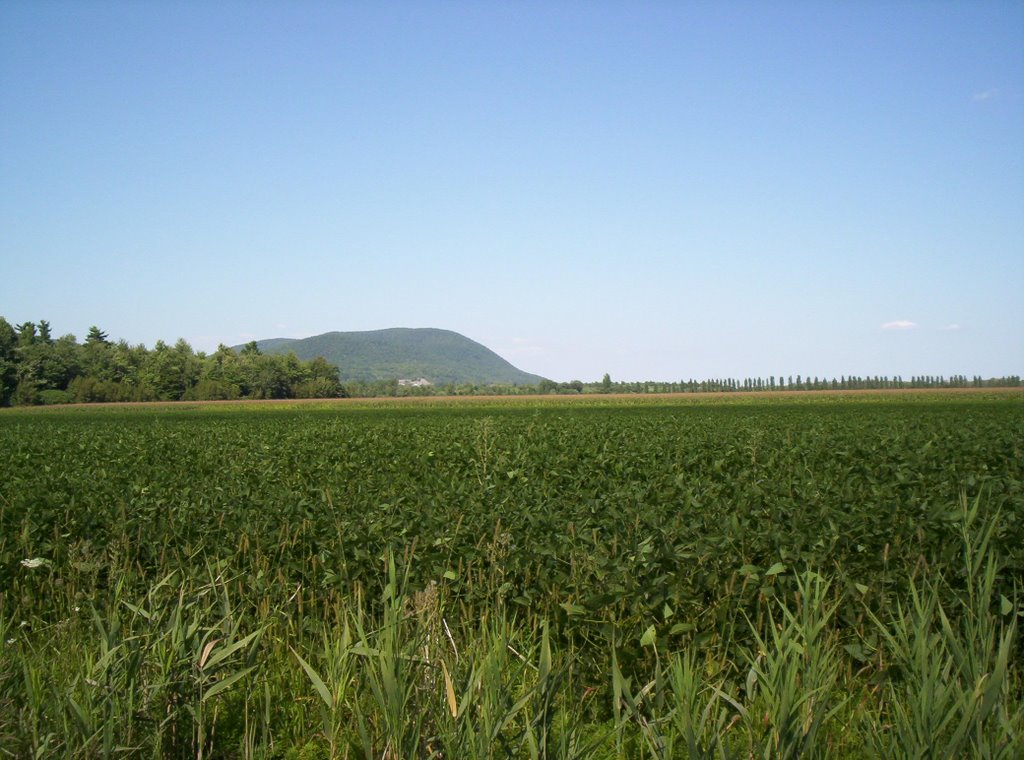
x=187, y=670
x=953, y=688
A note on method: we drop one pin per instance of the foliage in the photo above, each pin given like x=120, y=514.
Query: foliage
x=544, y=578
x=35, y=369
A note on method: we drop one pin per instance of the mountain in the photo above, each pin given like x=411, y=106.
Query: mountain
x=440, y=356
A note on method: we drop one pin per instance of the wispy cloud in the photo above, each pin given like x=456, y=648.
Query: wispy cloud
x=953, y=326
x=992, y=92
x=899, y=324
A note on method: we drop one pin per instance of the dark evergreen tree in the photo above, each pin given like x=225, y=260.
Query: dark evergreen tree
x=96, y=335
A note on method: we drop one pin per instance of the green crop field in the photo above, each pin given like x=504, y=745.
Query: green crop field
x=808, y=575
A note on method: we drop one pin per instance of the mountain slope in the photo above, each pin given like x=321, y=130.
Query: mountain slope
x=441, y=356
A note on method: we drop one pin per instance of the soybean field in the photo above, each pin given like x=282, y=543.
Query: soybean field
x=807, y=575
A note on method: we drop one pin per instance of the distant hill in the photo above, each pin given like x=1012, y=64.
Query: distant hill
x=440, y=356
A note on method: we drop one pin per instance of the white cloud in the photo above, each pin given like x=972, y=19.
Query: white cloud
x=988, y=94
x=953, y=326
x=899, y=324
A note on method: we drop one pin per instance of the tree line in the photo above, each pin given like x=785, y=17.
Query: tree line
x=36, y=368
x=788, y=383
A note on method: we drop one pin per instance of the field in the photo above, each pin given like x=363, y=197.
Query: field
x=803, y=575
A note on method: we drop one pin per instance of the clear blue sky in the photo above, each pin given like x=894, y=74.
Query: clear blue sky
x=654, y=190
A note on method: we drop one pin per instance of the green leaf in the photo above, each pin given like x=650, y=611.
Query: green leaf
x=225, y=652
x=775, y=569
x=227, y=683
x=316, y=680
x=84, y=726
x=1005, y=605
x=137, y=610
x=648, y=638
x=751, y=682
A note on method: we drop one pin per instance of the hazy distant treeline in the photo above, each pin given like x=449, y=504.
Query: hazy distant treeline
x=789, y=383
x=717, y=385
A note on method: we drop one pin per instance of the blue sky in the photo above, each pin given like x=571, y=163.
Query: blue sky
x=653, y=190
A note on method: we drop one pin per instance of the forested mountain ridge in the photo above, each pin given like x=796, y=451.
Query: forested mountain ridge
x=443, y=357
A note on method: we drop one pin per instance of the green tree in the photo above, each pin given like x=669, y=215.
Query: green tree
x=318, y=387
x=172, y=370
x=8, y=366
x=166, y=371
x=96, y=355
x=320, y=381
x=8, y=363
x=221, y=375
x=264, y=376
x=189, y=364
x=96, y=335
x=209, y=389
x=26, y=333
x=28, y=363
x=125, y=367
x=47, y=364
